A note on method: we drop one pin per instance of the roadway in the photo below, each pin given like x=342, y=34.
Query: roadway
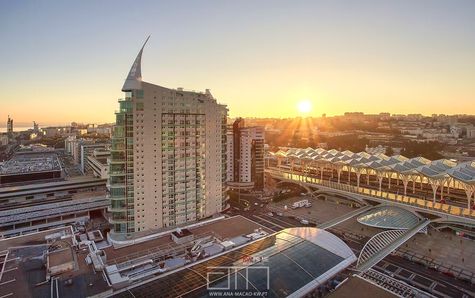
x=417, y=275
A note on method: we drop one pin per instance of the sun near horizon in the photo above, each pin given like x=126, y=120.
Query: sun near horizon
x=304, y=106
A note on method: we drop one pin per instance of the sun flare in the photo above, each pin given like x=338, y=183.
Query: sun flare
x=304, y=106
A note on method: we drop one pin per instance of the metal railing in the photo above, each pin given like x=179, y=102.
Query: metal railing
x=389, y=196
x=393, y=285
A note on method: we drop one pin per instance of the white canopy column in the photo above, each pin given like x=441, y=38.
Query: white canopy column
x=464, y=174
x=434, y=186
x=292, y=164
x=338, y=167
x=435, y=183
x=279, y=161
x=358, y=172
x=380, y=176
x=405, y=182
x=469, y=191
x=406, y=178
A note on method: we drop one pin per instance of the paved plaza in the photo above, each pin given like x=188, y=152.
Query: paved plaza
x=444, y=247
x=320, y=212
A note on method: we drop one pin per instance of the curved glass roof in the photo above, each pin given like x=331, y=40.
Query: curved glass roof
x=389, y=217
x=289, y=263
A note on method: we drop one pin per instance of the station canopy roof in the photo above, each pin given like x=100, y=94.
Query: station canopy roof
x=463, y=172
x=437, y=169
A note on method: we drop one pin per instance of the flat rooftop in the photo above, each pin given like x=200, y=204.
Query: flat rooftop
x=24, y=273
x=32, y=188
x=11, y=216
x=222, y=229
x=31, y=162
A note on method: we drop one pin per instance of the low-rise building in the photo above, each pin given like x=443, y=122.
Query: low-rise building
x=80, y=148
x=52, y=132
x=28, y=166
x=87, y=150
x=471, y=132
x=3, y=139
x=96, y=163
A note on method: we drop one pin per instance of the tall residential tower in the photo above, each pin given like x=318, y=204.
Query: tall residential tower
x=245, y=169
x=168, y=156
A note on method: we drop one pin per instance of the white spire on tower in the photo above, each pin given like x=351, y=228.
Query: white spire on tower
x=134, y=79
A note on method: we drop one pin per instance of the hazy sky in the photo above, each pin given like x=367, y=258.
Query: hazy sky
x=65, y=61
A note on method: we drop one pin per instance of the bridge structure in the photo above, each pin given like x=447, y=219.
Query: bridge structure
x=384, y=243
x=440, y=212
x=441, y=180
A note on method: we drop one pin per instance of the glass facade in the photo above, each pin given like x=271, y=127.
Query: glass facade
x=121, y=170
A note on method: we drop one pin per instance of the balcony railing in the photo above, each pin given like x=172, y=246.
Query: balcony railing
x=117, y=161
x=117, y=173
x=117, y=208
x=118, y=220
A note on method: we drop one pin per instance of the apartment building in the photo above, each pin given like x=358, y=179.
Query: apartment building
x=168, y=157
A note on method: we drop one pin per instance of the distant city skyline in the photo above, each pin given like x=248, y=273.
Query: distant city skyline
x=67, y=61
x=19, y=126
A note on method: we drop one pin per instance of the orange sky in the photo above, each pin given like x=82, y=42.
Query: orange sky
x=260, y=59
